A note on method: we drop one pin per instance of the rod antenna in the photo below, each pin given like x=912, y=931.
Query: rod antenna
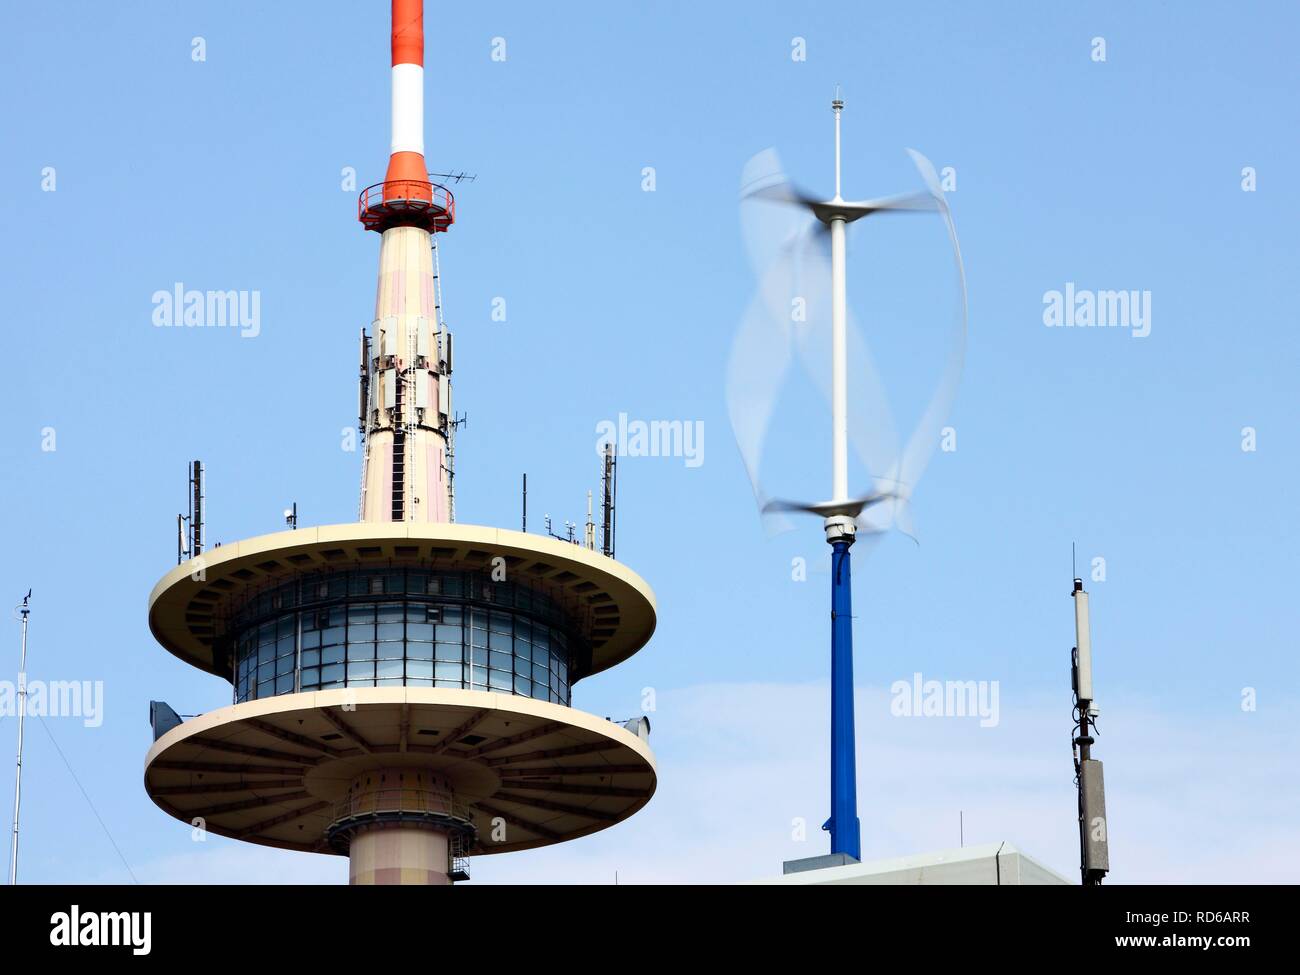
x=23, y=612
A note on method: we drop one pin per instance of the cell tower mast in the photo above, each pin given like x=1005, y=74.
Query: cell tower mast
x=1094, y=849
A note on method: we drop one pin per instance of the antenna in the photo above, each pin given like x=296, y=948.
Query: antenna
x=589, y=539
x=609, y=491
x=453, y=424
x=458, y=177
x=837, y=106
x=524, y=525
x=363, y=386
x=291, y=517
x=196, y=509
x=23, y=611
x=1094, y=849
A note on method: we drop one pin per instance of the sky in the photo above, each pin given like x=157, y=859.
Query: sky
x=221, y=146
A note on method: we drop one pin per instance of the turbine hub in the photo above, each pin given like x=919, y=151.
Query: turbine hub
x=841, y=528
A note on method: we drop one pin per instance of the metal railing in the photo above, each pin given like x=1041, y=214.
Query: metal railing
x=382, y=202
x=413, y=800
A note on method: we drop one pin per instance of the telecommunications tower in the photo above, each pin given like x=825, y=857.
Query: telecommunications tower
x=402, y=686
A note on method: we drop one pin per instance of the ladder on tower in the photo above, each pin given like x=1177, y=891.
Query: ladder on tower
x=437, y=284
x=398, y=510
x=365, y=469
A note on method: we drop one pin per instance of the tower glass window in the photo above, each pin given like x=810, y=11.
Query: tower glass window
x=402, y=627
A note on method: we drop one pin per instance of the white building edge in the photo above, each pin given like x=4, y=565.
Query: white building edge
x=989, y=863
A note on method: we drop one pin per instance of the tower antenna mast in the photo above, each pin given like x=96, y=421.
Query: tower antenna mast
x=1094, y=846
x=23, y=612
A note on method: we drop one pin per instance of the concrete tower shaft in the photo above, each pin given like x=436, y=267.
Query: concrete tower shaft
x=408, y=413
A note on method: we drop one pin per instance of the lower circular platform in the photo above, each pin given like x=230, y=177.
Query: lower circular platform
x=274, y=771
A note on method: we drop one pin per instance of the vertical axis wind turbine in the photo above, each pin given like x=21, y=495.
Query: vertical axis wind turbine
x=844, y=827
x=840, y=514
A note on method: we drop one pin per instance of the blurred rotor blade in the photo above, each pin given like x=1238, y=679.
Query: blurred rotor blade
x=921, y=445
x=768, y=231
x=826, y=509
x=791, y=260
x=895, y=512
x=764, y=179
x=784, y=192
x=760, y=358
x=855, y=209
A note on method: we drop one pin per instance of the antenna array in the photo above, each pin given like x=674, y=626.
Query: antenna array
x=1094, y=846
x=190, y=528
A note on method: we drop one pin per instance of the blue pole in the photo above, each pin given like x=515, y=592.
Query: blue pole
x=843, y=824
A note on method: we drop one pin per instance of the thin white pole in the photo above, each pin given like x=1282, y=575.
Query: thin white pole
x=839, y=354
x=836, y=107
x=18, y=775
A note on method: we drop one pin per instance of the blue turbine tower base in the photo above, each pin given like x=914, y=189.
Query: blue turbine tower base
x=843, y=825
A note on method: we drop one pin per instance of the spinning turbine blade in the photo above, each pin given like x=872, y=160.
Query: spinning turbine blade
x=764, y=179
x=851, y=211
x=786, y=235
x=853, y=507
x=925, y=438
x=900, y=201
x=761, y=354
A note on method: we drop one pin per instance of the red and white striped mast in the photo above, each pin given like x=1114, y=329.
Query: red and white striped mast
x=407, y=159
x=406, y=416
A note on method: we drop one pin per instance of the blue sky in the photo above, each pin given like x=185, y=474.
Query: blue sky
x=1122, y=174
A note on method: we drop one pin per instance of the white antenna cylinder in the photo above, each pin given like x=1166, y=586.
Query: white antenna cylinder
x=1083, y=644
x=590, y=537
